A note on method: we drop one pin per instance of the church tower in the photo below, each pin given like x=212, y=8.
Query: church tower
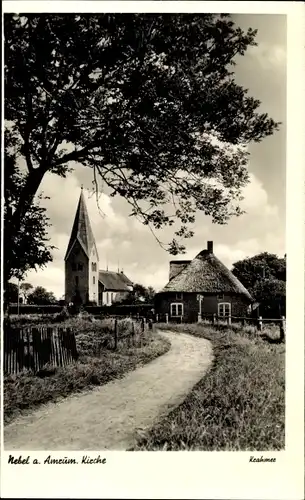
x=81, y=260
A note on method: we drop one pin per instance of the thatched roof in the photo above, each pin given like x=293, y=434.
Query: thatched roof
x=113, y=281
x=206, y=274
x=81, y=230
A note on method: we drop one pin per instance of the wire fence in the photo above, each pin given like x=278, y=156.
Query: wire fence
x=216, y=319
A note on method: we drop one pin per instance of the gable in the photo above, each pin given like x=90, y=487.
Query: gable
x=94, y=257
x=76, y=250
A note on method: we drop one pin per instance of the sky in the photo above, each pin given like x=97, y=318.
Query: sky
x=124, y=243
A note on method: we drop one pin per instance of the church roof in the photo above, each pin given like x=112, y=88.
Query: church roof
x=81, y=230
x=115, y=281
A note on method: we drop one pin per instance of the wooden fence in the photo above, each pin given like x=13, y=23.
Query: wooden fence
x=132, y=334
x=32, y=348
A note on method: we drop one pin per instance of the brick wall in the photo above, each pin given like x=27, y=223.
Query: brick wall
x=210, y=303
x=77, y=256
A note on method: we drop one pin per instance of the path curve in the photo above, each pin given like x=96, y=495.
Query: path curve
x=109, y=417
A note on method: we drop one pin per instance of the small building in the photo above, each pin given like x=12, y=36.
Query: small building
x=202, y=287
x=113, y=287
x=84, y=282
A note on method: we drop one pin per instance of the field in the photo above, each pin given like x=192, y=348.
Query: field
x=238, y=405
x=98, y=363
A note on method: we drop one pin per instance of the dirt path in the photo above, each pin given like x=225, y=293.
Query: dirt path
x=108, y=417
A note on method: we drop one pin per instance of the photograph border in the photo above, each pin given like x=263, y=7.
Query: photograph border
x=197, y=474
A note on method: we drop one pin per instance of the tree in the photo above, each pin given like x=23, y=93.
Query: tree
x=271, y=294
x=11, y=293
x=150, y=295
x=29, y=248
x=40, y=296
x=140, y=294
x=261, y=267
x=25, y=289
x=147, y=101
x=264, y=275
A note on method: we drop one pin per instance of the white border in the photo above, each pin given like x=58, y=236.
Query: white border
x=252, y=7
x=203, y=474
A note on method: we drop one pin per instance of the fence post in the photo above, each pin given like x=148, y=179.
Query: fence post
x=157, y=318
x=199, y=318
x=166, y=318
x=229, y=320
x=260, y=324
x=142, y=324
x=115, y=334
x=244, y=322
x=282, y=329
x=133, y=333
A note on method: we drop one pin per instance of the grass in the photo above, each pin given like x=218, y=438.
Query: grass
x=238, y=405
x=97, y=365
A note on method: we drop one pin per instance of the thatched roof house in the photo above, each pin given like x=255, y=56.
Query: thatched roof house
x=202, y=286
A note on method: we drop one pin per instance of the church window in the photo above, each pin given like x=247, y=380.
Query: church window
x=80, y=267
x=93, y=266
x=94, y=280
x=73, y=266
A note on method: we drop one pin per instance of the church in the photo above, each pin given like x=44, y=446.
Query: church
x=85, y=283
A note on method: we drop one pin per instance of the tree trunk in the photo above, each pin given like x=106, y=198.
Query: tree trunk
x=12, y=228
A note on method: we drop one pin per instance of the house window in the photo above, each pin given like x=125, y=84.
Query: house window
x=179, y=296
x=80, y=267
x=111, y=297
x=94, y=280
x=224, y=309
x=107, y=298
x=73, y=266
x=93, y=266
x=177, y=309
x=76, y=280
x=220, y=296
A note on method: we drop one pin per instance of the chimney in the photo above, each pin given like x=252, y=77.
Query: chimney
x=210, y=246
